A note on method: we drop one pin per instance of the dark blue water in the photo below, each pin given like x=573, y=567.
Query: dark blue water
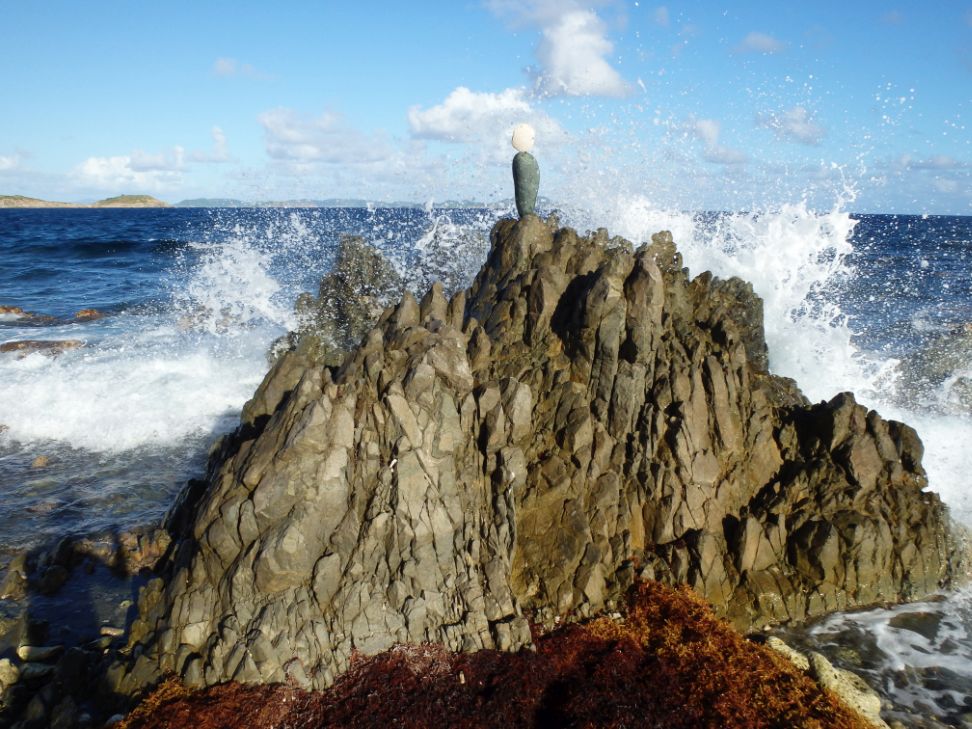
x=912, y=279
x=59, y=261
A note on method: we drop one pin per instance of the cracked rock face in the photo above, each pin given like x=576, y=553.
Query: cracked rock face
x=583, y=415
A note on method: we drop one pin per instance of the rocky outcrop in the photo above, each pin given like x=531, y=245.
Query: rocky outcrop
x=351, y=297
x=584, y=414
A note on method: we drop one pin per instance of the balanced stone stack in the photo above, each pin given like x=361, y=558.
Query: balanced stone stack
x=584, y=415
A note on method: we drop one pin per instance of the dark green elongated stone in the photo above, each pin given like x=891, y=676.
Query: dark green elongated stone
x=526, y=183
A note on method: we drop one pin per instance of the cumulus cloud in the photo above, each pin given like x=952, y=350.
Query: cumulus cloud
x=171, y=161
x=324, y=139
x=228, y=67
x=708, y=132
x=573, y=50
x=795, y=125
x=759, y=43
x=137, y=171
x=220, y=152
x=481, y=118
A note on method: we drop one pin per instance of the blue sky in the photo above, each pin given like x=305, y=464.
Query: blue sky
x=689, y=105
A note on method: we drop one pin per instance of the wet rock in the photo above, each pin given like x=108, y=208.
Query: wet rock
x=51, y=348
x=9, y=674
x=923, y=623
x=28, y=317
x=14, y=585
x=585, y=413
x=39, y=653
x=35, y=672
x=850, y=688
x=350, y=300
x=40, y=462
x=88, y=315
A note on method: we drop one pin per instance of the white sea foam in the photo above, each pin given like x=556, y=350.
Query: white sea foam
x=922, y=651
x=153, y=380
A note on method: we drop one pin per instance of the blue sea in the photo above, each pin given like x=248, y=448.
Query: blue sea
x=103, y=435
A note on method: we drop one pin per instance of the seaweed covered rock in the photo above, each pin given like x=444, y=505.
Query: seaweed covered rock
x=703, y=674
x=583, y=415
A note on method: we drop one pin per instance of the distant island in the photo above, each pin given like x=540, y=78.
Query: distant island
x=119, y=201
x=208, y=202
x=147, y=201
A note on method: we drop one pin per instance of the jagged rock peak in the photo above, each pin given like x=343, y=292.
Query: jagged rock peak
x=585, y=414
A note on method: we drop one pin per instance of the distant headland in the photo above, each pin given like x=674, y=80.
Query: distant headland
x=119, y=201
x=147, y=201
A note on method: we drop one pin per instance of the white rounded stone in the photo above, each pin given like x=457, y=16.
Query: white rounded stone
x=523, y=137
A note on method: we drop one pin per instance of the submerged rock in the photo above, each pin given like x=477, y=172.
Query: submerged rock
x=89, y=315
x=51, y=348
x=584, y=414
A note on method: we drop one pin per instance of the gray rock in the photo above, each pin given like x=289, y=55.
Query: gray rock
x=585, y=407
x=35, y=672
x=40, y=653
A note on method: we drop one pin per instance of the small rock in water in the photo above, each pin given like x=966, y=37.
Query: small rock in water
x=849, y=688
x=9, y=673
x=39, y=653
x=111, y=631
x=51, y=348
x=40, y=462
x=923, y=623
x=12, y=310
x=88, y=315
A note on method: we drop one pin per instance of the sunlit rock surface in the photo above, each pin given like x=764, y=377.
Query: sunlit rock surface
x=584, y=414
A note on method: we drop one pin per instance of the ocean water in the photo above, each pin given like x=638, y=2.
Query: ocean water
x=104, y=434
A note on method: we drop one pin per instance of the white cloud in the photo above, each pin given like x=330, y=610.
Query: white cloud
x=708, y=131
x=9, y=163
x=573, y=49
x=796, y=125
x=173, y=161
x=661, y=16
x=759, y=43
x=572, y=58
x=129, y=173
x=325, y=139
x=481, y=118
x=220, y=151
x=228, y=67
